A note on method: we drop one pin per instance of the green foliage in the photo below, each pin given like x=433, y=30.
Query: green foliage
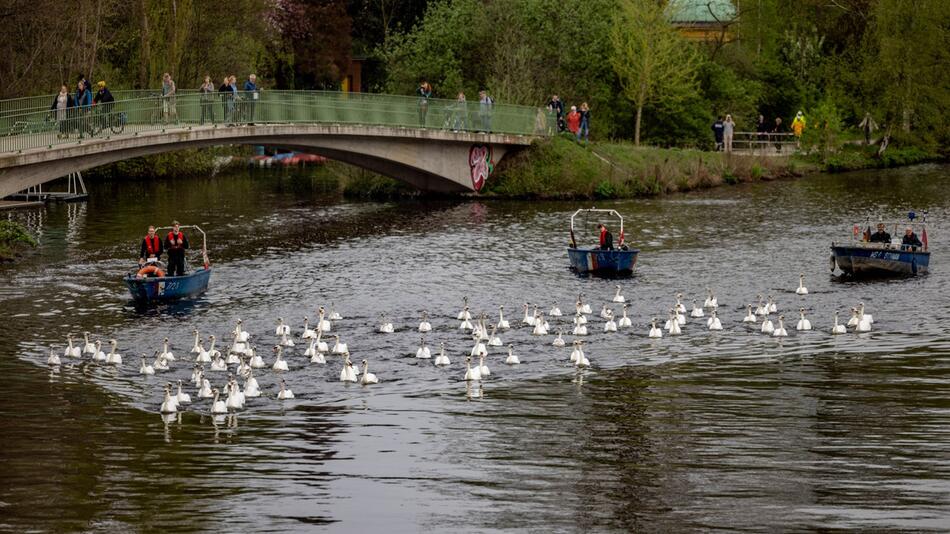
x=195, y=162
x=823, y=128
x=14, y=238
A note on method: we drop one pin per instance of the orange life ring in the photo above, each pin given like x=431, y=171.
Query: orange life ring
x=150, y=269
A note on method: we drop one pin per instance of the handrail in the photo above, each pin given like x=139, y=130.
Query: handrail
x=44, y=128
x=597, y=210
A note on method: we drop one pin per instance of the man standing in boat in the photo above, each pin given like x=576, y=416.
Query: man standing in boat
x=151, y=250
x=880, y=236
x=176, y=243
x=606, y=238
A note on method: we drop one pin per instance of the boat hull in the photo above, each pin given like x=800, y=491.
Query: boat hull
x=597, y=261
x=169, y=287
x=879, y=262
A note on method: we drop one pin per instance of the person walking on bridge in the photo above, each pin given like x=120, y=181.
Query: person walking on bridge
x=169, y=92
x=227, y=100
x=83, y=106
x=207, y=100
x=62, y=106
x=176, y=244
x=104, y=102
x=251, y=93
x=425, y=93
x=151, y=249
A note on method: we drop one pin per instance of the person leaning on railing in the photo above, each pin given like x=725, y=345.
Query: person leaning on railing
x=207, y=100
x=169, y=91
x=227, y=99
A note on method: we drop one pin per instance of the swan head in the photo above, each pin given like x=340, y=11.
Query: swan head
x=280, y=320
x=468, y=359
x=423, y=339
x=337, y=337
x=166, y=340
x=801, y=310
x=69, y=337
x=211, y=337
x=442, y=344
x=276, y=348
x=98, y=343
x=679, y=296
x=113, y=342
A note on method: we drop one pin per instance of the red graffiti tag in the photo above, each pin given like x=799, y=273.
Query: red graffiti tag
x=480, y=161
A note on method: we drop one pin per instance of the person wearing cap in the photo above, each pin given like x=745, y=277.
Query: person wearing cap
x=175, y=245
x=151, y=249
x=910, y=240
x=798, y=126
x=881, y=236
x=104, y=100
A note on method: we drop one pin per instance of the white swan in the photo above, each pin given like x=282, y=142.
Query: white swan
x=348, y=374
x=100, y=355
x=256, y=362
x=196, y=375
x=145, y=368
x=696, y=311
x=654, y=331
x=284, y=393
x=862, y=315
x=760, y=309
x=749, y=317
x=281, y=330
x=577, y=353
x=386, y=327
x=838, y=328
x=183, y=398
x=464, y=315
x=169, y=405
x=624, y=320
x=323, y=324
x=580, y=318
x=279, y=363
x=442, y=359
x=113, y=357
x=243, y=368
x=680, y=318
x=240, y=334
x=511, y=359
x=167, y=354
x=618, y=298
x=864, y=324
x=367, y=377
x=218, y=364
x=160, y=364
x=334, y=315
x=711, y=300
x=211, y=350
x=583, y=307
x=803, y=324
x=713, y=323
x=423, y=351
x=196, y=349
x=610, y=325
x=218, y=406
x=479, y=347
x=88, y=347
x=205, y=391
x=772, y=307
x=767, y=326
x=802, y=290
x=528, y=318
x=311, y=348
x=251, y=387
x=679, y=307
x=285, y=341
x=582, y=360
x=494, y=340
x=854, y=320
x=321, y=346
x=471, y=373
x=604, y=312
x=482, y=368
x=555, y=311
x=780, y=331
x=72, y=351
x=232, y=357
x=53, y=358
x=673, y=324
x=559, y=340
x=425, y=325
x=318, y=357
x=502, y=322
x=466, y=326
x=540, y=326
x=203, y=355
x=339, y=348
x=579, y=328
x=308, y=333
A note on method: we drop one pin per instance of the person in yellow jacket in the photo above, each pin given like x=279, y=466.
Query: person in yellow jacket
x=798, y=125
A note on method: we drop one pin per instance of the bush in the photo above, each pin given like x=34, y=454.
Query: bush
x=14, y=238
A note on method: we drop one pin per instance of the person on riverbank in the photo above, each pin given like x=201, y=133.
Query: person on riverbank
x=779, y=129
x=176, y=244
x=83, y=107
x=227, y=100
x=573, y=120
x=798, y=127
x=104, y=102
x=762, y=129
x=910, y=241
x=206, y=98
x=867, y=126
x=486, y=105
x=151, y=249
x=584, y=127
x=557, y=107
x=169, y=98
x=606, y=238
x=717, y=128
x=728, y=129
x=63, y=104
x=252, y=94
x=425, y=93
x=881, y=236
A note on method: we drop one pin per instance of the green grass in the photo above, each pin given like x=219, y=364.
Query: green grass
x=14, y=239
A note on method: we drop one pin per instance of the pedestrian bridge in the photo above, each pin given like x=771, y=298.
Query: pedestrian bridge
x=435, y=145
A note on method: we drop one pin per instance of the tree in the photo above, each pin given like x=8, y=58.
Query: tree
x=655, y=65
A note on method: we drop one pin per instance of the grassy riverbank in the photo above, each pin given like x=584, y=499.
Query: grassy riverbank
x=14, y=240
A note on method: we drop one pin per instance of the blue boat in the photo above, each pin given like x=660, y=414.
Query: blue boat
x=616, y=262
x=146, y=288
x=859, y=257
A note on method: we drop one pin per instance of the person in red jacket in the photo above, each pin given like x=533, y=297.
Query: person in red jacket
x=151, y=250
x=606, y=238
x=176, y=244
x=573, y=120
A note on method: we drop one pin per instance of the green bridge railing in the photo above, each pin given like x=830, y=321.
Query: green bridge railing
x=30, y=123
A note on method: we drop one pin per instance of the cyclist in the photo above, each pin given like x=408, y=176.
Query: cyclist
x=104, y=102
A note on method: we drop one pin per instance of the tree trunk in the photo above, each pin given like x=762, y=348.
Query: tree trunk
x=145, y=52
x=636, y=131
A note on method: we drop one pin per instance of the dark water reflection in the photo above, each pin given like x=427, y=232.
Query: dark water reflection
x=725, y=430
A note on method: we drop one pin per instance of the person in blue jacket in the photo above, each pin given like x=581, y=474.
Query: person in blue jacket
x=83, y=101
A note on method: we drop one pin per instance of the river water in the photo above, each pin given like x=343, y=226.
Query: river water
x=709, y=430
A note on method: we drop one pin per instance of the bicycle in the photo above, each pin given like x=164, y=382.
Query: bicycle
x=103, y=119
